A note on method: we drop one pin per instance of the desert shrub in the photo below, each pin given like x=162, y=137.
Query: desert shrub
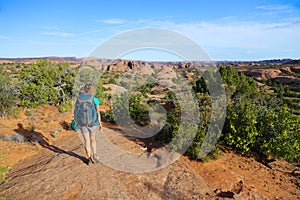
x=146, y=89
x=112, y=80
x=65, y=106
x=257, y=123
x=195, y=151
x=137, y=109
x=56, y=133
x=15, y=137
x=237, y=84
x=200, y=86
x=45, y=82
x=278, y=134
x=3, y=171
x=108, y=116
x=7, y=94
x=266, y=131
x=171, y=126
x=181, y=133
x=100, y=94
x=33, y=95
x=240, y=130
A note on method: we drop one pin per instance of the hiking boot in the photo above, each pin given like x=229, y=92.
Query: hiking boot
x=96, y=158
x=90, y=161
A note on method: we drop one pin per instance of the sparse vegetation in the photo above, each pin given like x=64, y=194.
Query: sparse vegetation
x=259, y=122
x=136, y=110
x=7, y=94
x=56, y=132
x=65, y=106
x=3, y=171
x=256, y=122
x=17, y=137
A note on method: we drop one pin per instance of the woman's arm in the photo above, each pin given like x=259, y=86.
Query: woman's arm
x=99, y=116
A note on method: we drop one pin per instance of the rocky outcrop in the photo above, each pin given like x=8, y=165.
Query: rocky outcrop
x=285, y=74
x=113, y=89
x=295, y=69
x=166, y=73
x=259, y=74
x=287, y=79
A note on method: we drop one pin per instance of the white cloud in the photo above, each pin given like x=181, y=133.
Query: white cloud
x=60, y=34
x=120, y=27
x=42, y=43
x=113, y=21
x=289, y=24
x=275, y=7
x=280, y=11
x=3, y=37
x=229, y=37
x=50, y=27
x=67, y=34
x=235, y=40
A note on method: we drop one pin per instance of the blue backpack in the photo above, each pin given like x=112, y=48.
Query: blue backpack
x=85, y=113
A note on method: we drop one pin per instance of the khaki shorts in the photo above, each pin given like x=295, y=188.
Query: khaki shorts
x=86, y=129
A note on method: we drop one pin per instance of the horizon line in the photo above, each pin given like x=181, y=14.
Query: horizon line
x=85, y=57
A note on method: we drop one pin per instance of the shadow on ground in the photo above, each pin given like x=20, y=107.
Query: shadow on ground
x=33, y=137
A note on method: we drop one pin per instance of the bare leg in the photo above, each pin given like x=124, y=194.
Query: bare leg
x=87, y=144
x=93, y=142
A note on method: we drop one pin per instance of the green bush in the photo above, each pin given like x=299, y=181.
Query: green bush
x=8, y=94
x=256, y=123
x=137, y=109
x=171, y=126
x=252, y=128
x=240, y=130
x=278, y=134
x=45, y=82
x=3, y=171
x=100, y=94
x=65, y=106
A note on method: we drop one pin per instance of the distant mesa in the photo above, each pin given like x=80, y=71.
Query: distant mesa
x=130, y=64
x=293, y=62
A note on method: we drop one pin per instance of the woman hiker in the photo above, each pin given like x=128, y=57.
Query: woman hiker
x=87, y=115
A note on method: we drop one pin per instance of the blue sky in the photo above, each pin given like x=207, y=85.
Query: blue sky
x=227, y=30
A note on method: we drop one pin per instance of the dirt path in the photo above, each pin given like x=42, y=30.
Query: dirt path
x=59, y=172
